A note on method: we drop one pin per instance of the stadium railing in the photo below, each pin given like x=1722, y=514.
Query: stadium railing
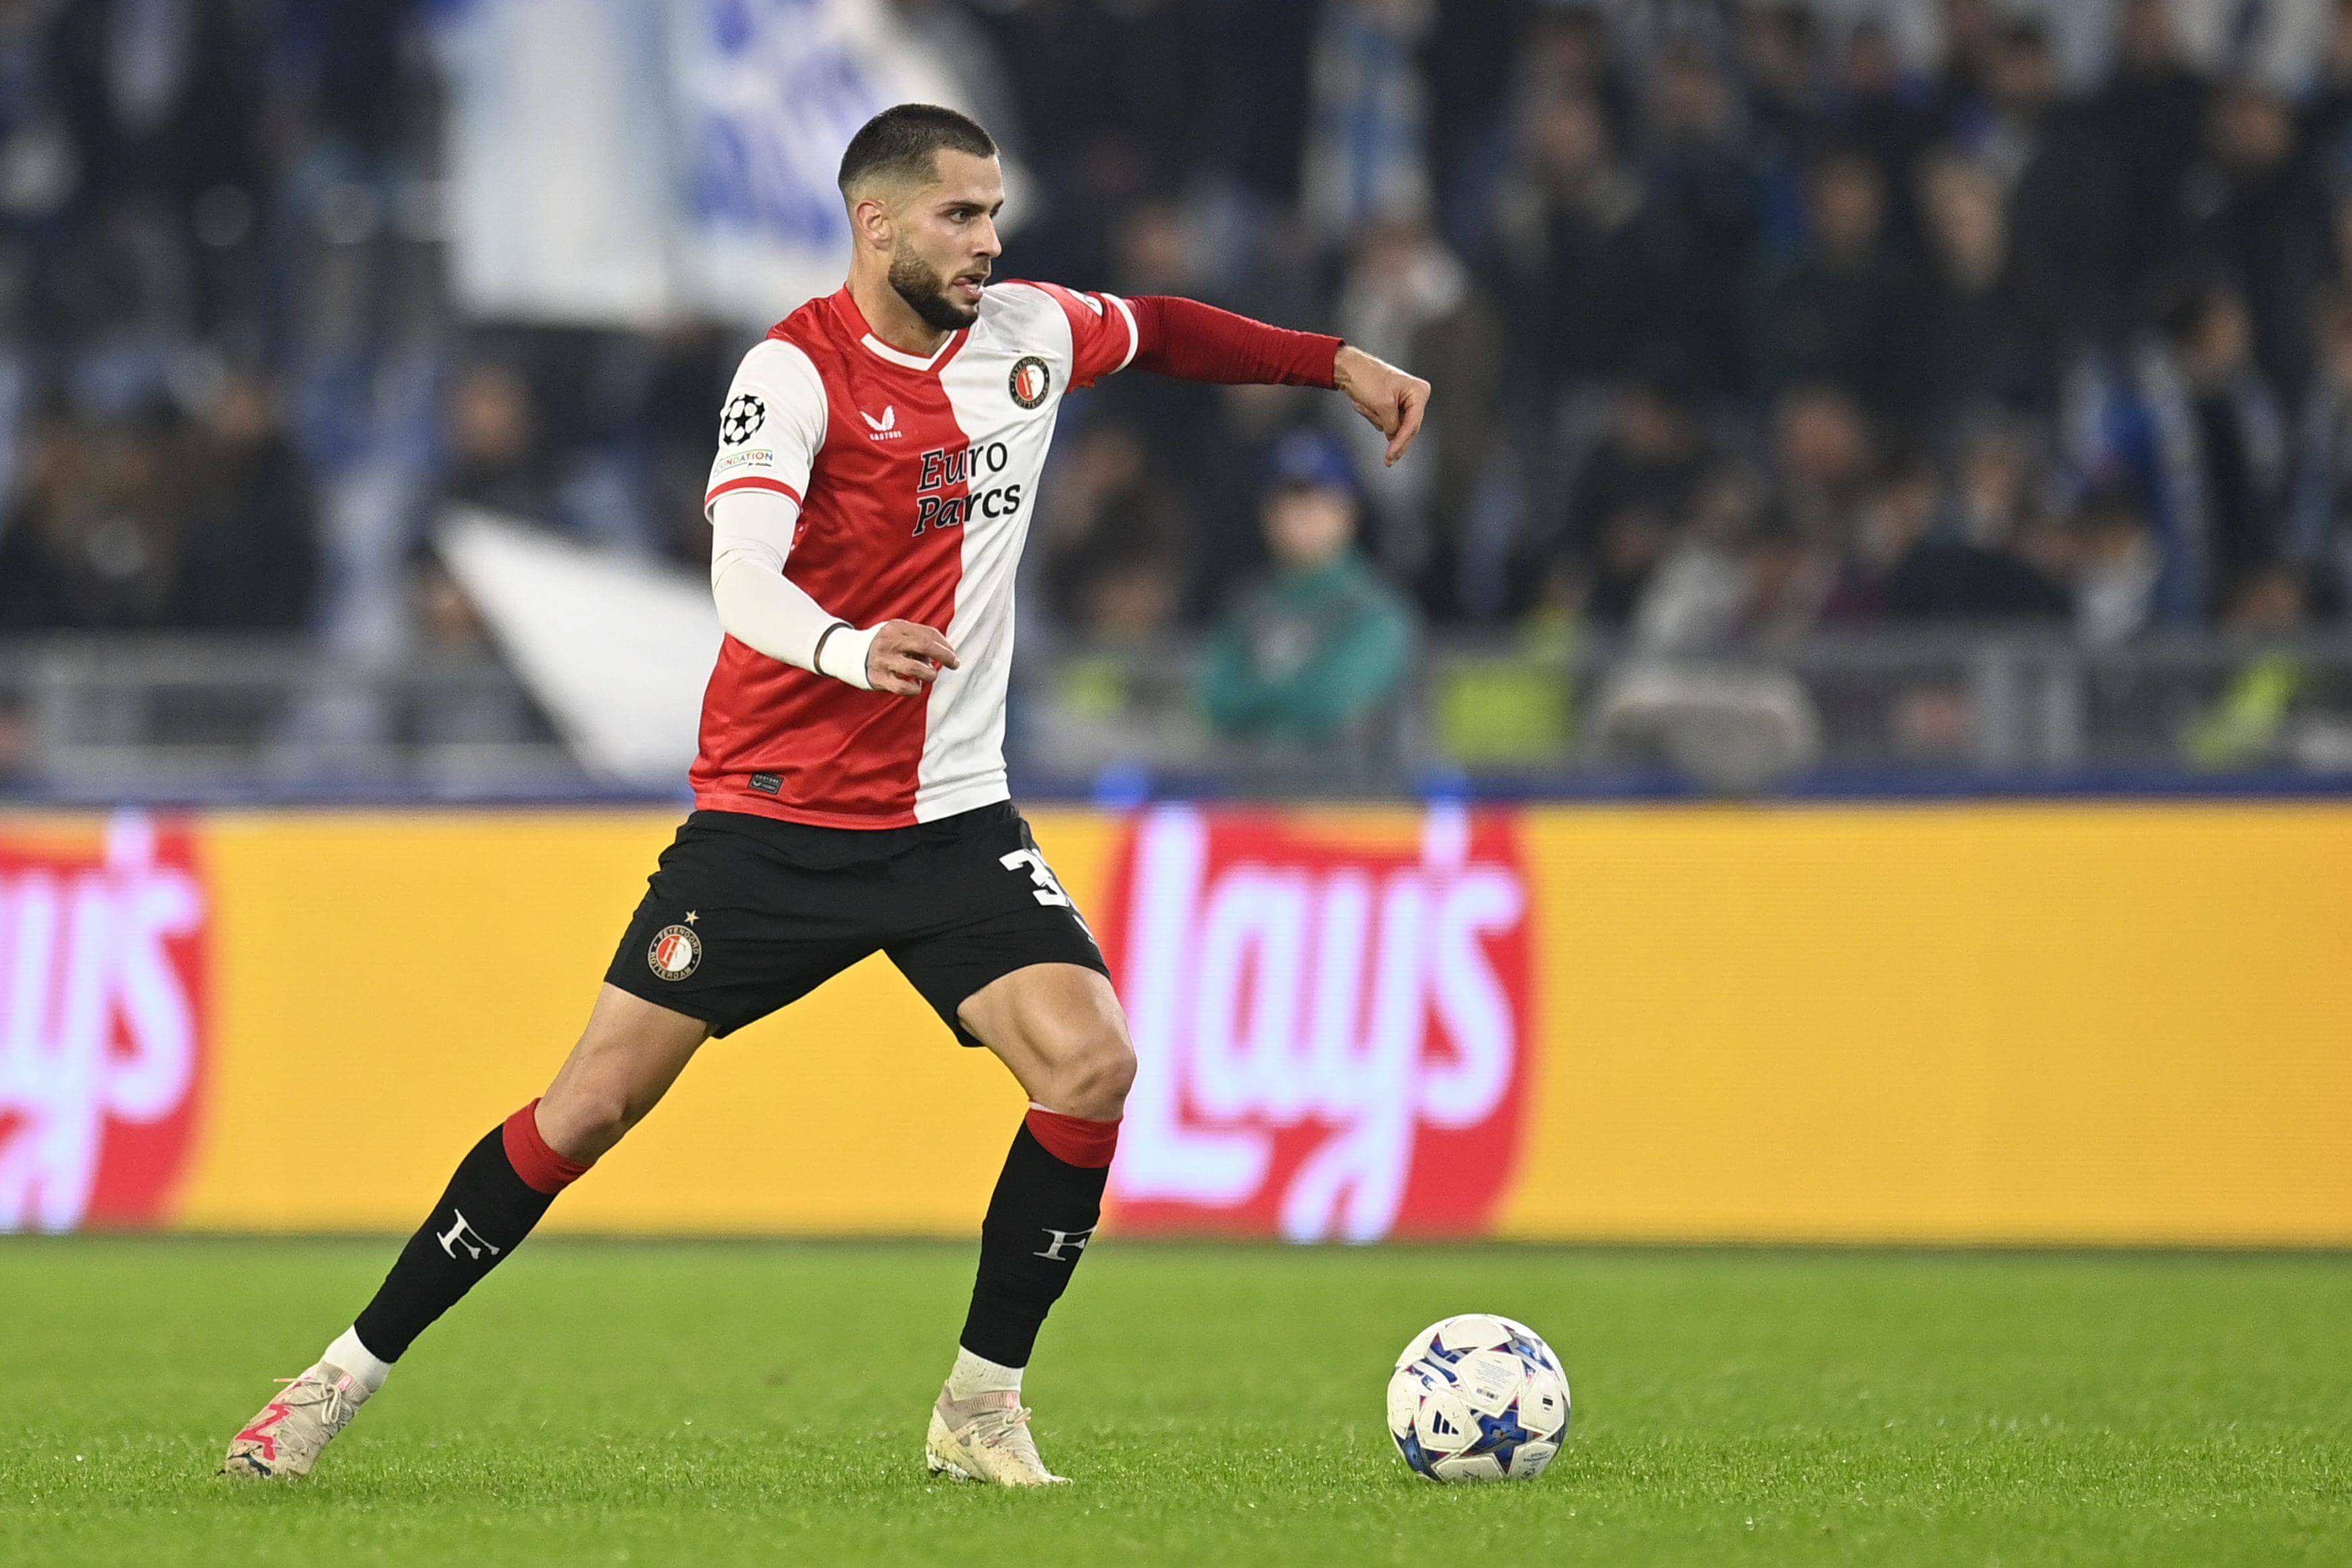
x=102, y=719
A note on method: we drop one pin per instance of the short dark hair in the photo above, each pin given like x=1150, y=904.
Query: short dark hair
x=901, y=142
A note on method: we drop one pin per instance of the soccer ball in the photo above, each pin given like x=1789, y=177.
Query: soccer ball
x=1478, y=1399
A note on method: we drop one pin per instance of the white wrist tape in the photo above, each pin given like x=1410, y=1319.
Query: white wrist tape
x=842, y=653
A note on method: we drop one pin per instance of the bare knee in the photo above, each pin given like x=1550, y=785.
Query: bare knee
x=626, y=1061
x=1090, y=1077
x=582, y=1121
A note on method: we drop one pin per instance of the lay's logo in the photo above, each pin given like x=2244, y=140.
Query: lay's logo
x=101, y=1027
x=1331, y=1033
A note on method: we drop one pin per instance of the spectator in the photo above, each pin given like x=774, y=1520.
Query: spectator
x=1578, y=252
x=2321, y=538
x=1700, y=597
x=101, y=543
x=1112, y=539
x=2151, y=112
x=1934, y=574
x=497, y=457
x=1624, y=494
x=1707, y=192
x=1823, y=451
x=2115, y=565
x=1848, y=313
x=1890, y=117
x=1316, y=652
x=2254, y=214
x=1972, y=49
x=2211, y=447
x=2057, y=170
x=1780, y=60
x=1567, y=53
x=252, y=552
x=1992, y=345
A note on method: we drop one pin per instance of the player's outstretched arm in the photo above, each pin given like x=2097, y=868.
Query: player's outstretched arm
x=1391, y=399
x=1194, y=342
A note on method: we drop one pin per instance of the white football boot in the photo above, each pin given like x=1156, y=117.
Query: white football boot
x=986, y=1438
x=284, y=1440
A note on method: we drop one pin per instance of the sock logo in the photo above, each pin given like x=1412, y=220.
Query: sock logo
x=465, y=1235
x=1075, y=1240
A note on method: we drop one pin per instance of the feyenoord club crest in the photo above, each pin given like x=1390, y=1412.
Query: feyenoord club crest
x=1030, y=380
x=675, y=952
x=743, y=414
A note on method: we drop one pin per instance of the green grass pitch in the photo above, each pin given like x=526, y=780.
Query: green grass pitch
x=611, y=1403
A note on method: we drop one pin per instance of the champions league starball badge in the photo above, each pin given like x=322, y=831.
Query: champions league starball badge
x=743, y=414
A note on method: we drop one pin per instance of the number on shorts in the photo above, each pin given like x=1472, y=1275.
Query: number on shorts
x=1048, y=889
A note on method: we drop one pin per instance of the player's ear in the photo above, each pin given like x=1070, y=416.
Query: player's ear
x=870, y=220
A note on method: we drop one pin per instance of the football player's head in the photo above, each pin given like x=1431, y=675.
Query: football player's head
x=924, y=188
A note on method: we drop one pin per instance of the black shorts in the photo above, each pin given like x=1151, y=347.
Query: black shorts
x=745, y=913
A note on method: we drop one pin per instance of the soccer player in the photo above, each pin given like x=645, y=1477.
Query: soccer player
x=878, y=465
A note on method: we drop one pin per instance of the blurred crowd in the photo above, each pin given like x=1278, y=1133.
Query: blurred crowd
x=1747, y=320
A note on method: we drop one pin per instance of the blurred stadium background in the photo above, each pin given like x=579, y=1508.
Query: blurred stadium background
x=1841, y=730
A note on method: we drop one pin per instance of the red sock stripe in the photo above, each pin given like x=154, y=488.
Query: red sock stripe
x=1074, y=1139
x=542, y=1169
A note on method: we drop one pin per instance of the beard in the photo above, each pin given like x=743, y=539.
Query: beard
x=926, y=294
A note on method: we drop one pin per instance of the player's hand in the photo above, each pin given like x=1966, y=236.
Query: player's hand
x=906, y=657
x=1393, y=400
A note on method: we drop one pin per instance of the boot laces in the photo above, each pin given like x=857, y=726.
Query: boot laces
x=997, y=1427
x=336, y=1406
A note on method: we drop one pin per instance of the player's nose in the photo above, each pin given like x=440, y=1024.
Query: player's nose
x=988, y=244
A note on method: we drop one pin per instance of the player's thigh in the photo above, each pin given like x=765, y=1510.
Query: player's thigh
x=998, y=948
x=628, y=1056
x=730, y=930
x=1061, y=1031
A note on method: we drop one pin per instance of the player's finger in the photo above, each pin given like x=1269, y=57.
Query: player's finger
x=931, y=645
x=1381, y=416
x=1411, y=404
x=921, y=671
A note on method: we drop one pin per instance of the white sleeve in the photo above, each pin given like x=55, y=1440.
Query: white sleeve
x=751, y=534
x=772, y=426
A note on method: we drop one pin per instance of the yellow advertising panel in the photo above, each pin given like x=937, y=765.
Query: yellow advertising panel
x=2033, y=1023
x=2045, y=1022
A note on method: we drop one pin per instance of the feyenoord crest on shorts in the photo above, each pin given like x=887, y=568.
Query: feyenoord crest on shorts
x=1030, y=380
x=675, y=952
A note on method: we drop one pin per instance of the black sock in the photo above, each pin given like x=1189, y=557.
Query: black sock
x=482, y=1216
x=1038, y=1225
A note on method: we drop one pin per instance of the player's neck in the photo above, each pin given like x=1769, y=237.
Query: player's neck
x=892, y=320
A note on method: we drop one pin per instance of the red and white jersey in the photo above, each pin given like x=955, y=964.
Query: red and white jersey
x=916, y=478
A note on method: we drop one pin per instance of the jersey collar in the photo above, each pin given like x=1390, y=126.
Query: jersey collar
x=853, y=320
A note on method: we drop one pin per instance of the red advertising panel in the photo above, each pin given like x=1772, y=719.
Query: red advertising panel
x=1333, y=1023
x=102, y=1026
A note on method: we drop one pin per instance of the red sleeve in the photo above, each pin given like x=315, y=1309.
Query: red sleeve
x=1194, y=342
